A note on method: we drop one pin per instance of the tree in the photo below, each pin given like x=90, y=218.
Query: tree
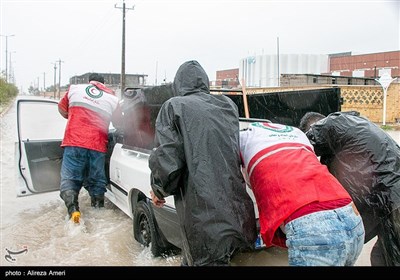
x=7, y=92
x=34, y=91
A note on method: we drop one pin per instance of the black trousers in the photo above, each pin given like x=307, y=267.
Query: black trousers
x=386, y=251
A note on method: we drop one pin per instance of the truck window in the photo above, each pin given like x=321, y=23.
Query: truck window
x=140, y=107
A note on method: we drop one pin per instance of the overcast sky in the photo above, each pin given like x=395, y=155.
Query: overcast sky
x=160, y=35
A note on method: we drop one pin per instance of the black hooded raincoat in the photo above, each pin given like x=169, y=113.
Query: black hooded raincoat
x=197, y=160
x=365, y=160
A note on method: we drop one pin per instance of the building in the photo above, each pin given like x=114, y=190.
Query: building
x=227, y=78
x=269, y=70
x=371, y=65
x=294, y=80
x=113, y=80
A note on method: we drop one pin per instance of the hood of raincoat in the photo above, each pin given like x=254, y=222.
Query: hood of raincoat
x=191, y=78
x=197, y=161
x=365, y=160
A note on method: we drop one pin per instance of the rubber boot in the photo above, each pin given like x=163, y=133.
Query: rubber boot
x=70, y=198
x=97, y=201
x=76, y=217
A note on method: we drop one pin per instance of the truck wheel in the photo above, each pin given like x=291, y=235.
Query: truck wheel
x=144, y=228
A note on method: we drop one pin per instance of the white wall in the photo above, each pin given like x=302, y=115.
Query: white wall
x=262, y=70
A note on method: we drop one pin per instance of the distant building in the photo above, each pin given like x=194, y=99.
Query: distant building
x=295, y=80
x=268, y=70
x=227, y=78
x=371, y=65
x=348, y=69
x=113, y=80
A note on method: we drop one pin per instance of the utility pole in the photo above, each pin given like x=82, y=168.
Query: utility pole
x=44, y=84
x=11, y=72
x=59, y=77
x=55, y=80
x=279, y=75
x=7, y=54
x=156, y=71
x=123, y=44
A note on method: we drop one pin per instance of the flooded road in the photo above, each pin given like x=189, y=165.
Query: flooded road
x=35, y=230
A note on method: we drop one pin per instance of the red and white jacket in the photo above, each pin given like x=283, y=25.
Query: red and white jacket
x=284, y=174
x=90, y=109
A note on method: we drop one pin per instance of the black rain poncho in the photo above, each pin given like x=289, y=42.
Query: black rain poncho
x=365, y=160
x=198, y=162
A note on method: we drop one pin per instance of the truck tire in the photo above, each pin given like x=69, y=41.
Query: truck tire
x=145, y=229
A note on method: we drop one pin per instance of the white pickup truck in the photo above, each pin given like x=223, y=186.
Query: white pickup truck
x=39, y=155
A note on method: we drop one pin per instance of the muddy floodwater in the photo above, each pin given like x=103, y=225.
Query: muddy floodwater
x=35, y=230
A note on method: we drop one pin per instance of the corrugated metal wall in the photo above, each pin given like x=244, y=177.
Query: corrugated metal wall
x=262, y=70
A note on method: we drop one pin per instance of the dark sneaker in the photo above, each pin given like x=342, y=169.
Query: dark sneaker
x=97, y=201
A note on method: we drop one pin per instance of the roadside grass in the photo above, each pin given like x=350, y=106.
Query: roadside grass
x=389, y=127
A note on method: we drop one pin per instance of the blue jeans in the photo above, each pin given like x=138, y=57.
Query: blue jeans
x=82, y=166
x=325, y=238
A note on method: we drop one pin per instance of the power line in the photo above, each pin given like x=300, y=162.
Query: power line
x=91, y=33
